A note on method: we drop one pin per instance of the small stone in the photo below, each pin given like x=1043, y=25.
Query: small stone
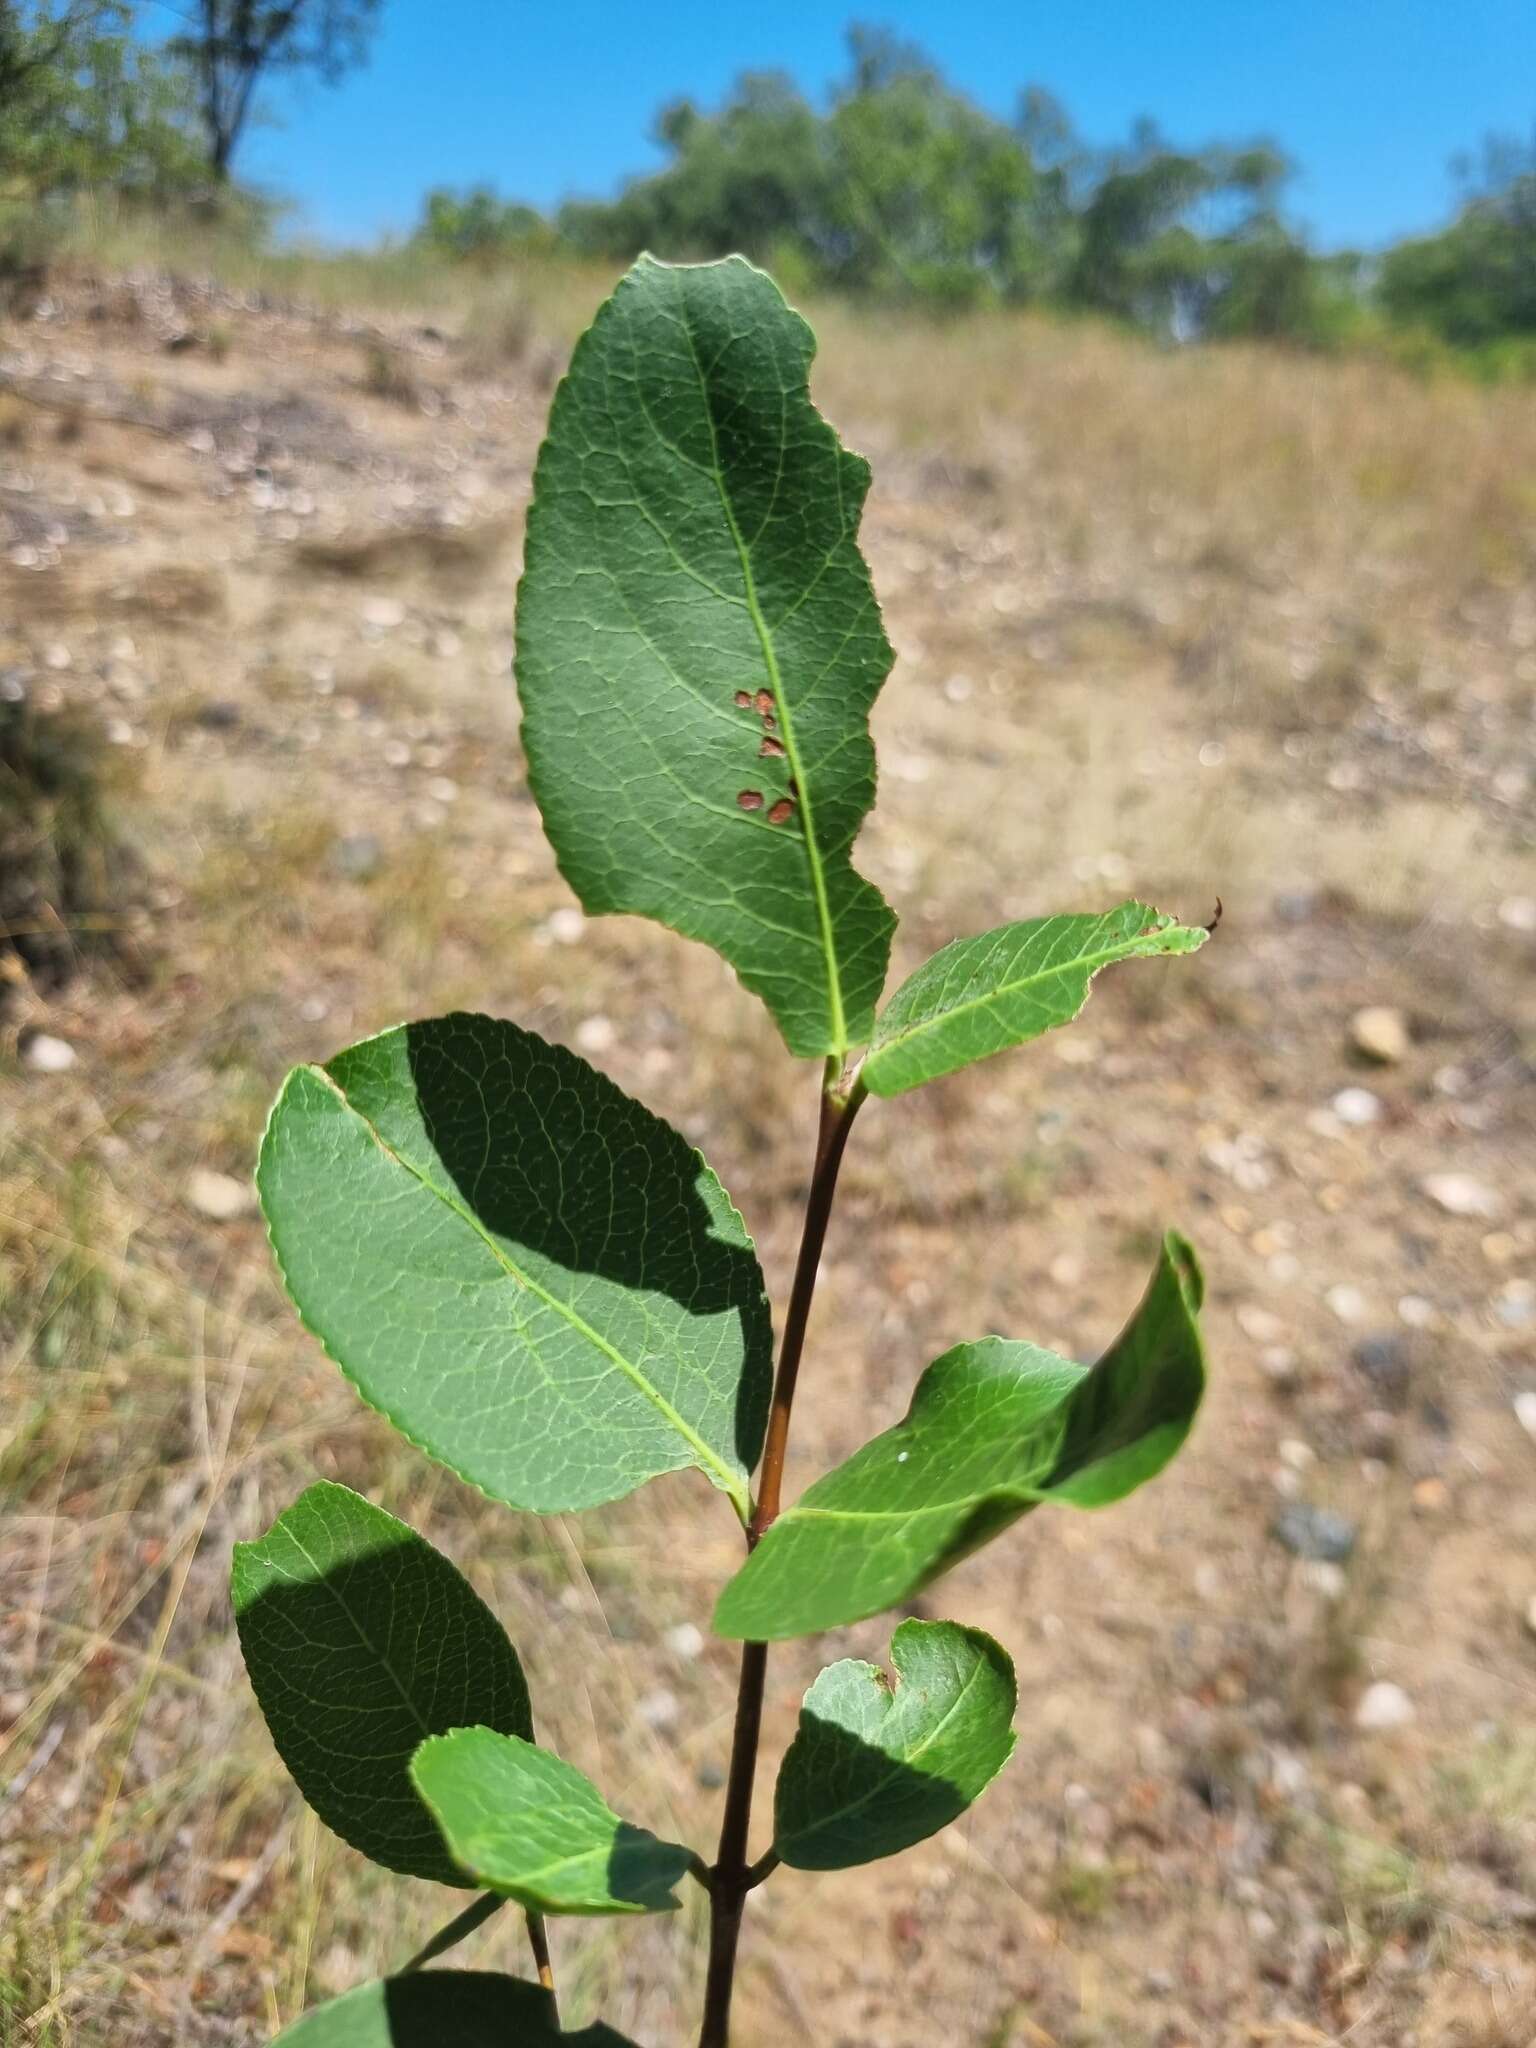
x=596, y=1034
x=1319, y=1534
x=565, y=926
x=660, y=1710
x=1295, y=1454
x=1278, y=1364
x=1416, y=1312
x=1515, y=1305
x=1261, y=1324
x=45, y=1054
x=383, y=614
x=1459, y=1194
x=1387, y=1362
x=1431, y=1496
x=1066, y=1269
x=1383, y=1706
x=357, y=858
x=217, y=715
x=1329, y=1581
x=1525, y=1412
x=397, y=754
x=1347, y=1303
x=684, y=1641
x=1380, y=1034
x=1518, y=913
x=1356, y=1107
x=218, y=1196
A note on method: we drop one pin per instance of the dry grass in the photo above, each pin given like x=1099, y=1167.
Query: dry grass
x=1179, y=623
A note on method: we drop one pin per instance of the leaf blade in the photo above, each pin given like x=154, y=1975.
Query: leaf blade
x=526, y=1823
x=360, y=1640
x=980, y=996
x=538, y=1282
x=699, y=643
x=469, y=2008
x=872, y=1770
x=995, y=1429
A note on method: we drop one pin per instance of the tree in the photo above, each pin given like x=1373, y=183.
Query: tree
x=234, y=44
x=84, y=104
x=1474, y=284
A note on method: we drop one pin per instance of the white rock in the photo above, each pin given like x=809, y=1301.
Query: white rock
x=596, y=1034
x=1380, y=1034
x=383, y=613
x=46, y=1055
x=660, y=1709
x=1297, y=1454
x=565, y=926
x=684, y=1641
x=218, y=1196
x=1347, y=1303
x=1261, y=1324
x=1383, y=1706
x=1356, y=1106
x=1525, y=1412
x=1459, y=1194
x=1518, y=913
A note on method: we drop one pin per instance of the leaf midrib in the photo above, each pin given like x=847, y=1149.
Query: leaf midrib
x=730, y=1484
x=1089, y=963
x=837, y=1015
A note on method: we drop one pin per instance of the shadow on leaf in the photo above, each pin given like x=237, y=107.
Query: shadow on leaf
x=549, y=1153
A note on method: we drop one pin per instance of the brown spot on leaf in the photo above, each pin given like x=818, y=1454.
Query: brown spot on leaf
x=765, y=702
x=784, y=808
x=744, y=700
x=750, y=799
x=771, y=749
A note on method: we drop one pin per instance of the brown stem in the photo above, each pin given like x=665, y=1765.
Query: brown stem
x=733, y=1877
x=538, y=1941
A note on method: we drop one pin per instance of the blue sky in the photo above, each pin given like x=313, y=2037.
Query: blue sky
x=1373, y=97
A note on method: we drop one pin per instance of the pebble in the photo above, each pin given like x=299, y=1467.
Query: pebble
x=596, y=1034
x=383, y=613
x=47, y=1055
x=1346, y=1302
x=565, y=926
x=358, y=857
x=219, y=1196
x=1383, y=1706
x=1525, y=1412
x=1380, y=1034
x=1430, y=1496
x=1459, y=1194
x=1515, y=1305
x=1261, y=1324
x=660, y=1710
x=1386, y=1360
x=1518, y=913
x=684, y=1641
x=1319, y=1534
x=1356, y=1106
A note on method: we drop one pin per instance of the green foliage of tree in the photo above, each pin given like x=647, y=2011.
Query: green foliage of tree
x=1474, y=284
x=84, y=105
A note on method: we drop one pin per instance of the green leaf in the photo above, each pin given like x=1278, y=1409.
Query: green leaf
x=360, y=1640
x=539, y=1282
x=994, y=1429
x=698, y=643
x=529, y=1825
x=980, y=996
x=442, y=2009
x=872, y=1768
